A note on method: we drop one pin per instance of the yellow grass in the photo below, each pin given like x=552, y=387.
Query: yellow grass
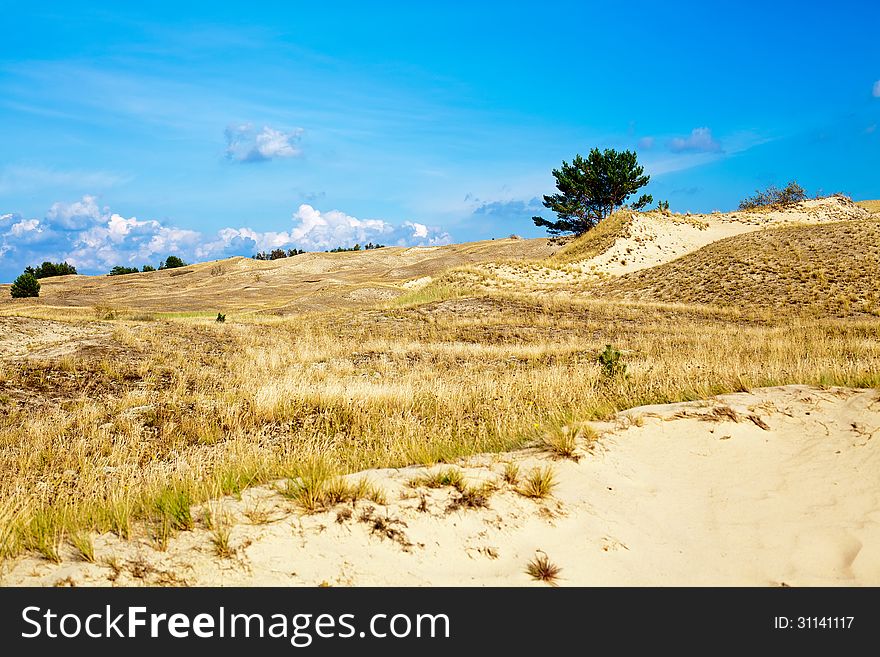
x=596, y=241
x=871, y=206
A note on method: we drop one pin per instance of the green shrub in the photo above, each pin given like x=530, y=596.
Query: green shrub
x=772, y=196
x=119, y=270
x=171, y=262
x=611, y=363
x=48, y=269
x=25, y=285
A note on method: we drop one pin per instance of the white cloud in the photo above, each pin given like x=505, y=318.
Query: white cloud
x=419, y=230
x=244, y=143
x=76, y=215
x=700, y=140
x=24, y=226
x=646, y=143
x=94, y=239
x=314, y=230
x=317, y=230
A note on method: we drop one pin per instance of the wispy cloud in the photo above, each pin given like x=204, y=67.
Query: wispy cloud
x=700, y=140
x=244, y=143
x=18, y=179
x=646, y=143
x=876, y=90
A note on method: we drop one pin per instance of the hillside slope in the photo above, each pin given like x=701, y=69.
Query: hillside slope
x=832, y=269
x=303, y=282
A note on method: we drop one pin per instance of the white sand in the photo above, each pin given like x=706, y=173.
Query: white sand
x=678, y=494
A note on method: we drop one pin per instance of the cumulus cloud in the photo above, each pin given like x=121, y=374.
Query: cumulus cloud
x=700, y=140
x=244, y=143
x=314, y=230
x=24, y=227
x=94, y=239
x=77, y=215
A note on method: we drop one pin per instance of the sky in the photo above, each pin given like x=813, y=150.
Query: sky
x=206, y=129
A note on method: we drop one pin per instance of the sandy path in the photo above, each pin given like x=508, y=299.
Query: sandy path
x=679, y=494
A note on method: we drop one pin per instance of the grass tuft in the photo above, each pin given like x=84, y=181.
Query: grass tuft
x=540, y=568
x=539, y=483
x=440, y=478
x=85, y=547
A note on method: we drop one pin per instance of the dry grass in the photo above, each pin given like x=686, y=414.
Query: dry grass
x=596, y=241
x=538, y=484
x=311, y=281
x=317, y=486
x=870, y=206
x=543, y=570
x=187, y=410
x=830, y=270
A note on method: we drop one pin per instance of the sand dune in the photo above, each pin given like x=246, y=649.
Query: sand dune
x=769, y=488
x=656, y=238
x=311, y=281
x=651, y=239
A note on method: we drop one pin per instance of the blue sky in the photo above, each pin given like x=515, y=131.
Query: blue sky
x=214, y=129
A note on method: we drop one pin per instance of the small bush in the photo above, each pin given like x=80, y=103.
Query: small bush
x=611, y=363
x=774, y=197
x=25, y=285
x=220, y=317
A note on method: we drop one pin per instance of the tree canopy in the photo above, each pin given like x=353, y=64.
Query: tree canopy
x=120, y=270
x=25, y=285
x=171, y=262
x=591, y=189
x=48, y=269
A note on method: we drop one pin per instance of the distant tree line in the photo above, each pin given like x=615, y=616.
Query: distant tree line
x=171, y=262
x=277, y=254
x=357, y=247
x=48, y=269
